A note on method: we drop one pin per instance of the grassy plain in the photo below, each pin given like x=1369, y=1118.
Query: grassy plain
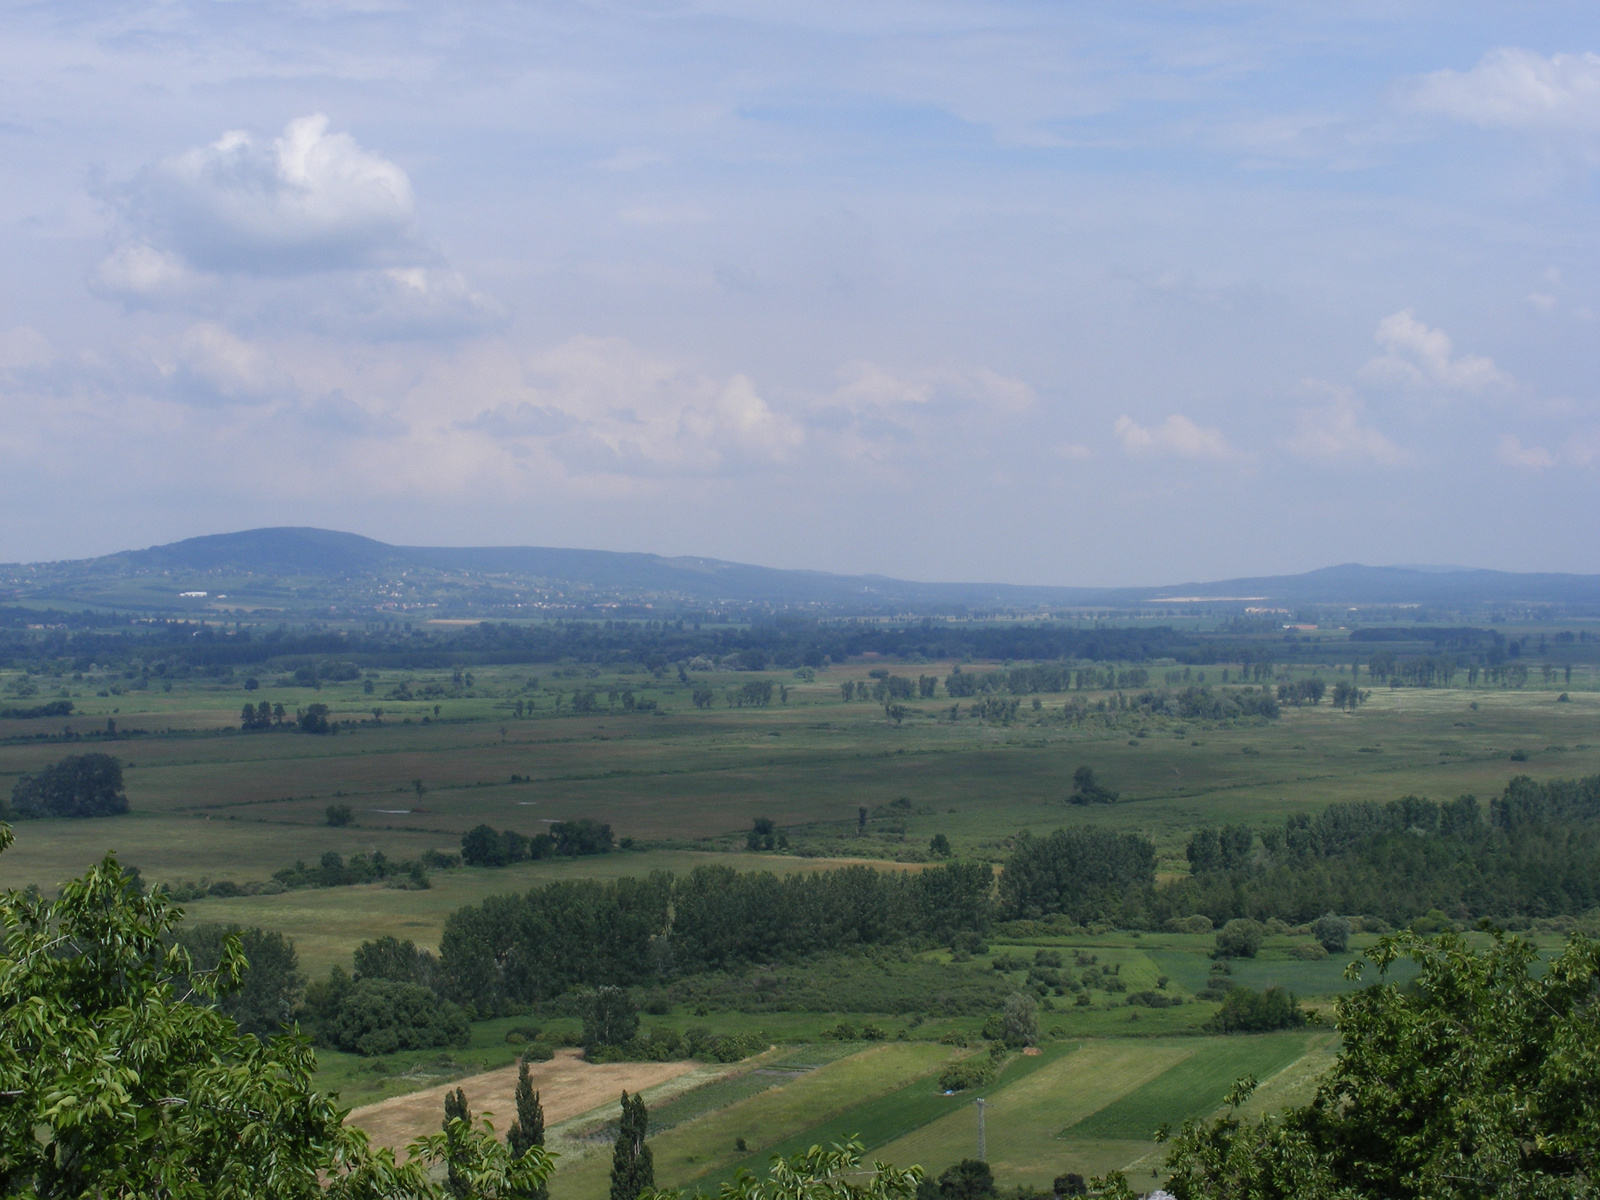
x=208, y=800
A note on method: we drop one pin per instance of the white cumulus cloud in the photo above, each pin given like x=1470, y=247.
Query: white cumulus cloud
x=1177, y=436
x=1512, y=88
x=309, y=200
x=1420, y=357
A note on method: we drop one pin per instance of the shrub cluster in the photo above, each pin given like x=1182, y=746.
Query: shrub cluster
x=334, y=870
x=667, y=1045
x=965, y=1074
x=1247, y=1011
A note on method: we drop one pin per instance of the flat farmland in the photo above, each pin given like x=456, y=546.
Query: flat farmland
x=207, y=799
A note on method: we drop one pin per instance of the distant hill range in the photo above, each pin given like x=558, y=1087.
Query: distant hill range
x=302, y=567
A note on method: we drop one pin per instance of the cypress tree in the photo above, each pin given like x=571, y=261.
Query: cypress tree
x=632, y=1165
x=529, y=1129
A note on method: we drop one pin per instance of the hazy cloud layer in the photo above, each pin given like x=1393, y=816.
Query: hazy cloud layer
x=1034, y=292
x=1513, y=88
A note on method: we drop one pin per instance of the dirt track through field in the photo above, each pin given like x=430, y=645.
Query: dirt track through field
x=567, y=1086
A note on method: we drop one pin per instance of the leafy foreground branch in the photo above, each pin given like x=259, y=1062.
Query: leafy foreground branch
x=1480, y=1078
x=817, y=1174
x=114, y=1084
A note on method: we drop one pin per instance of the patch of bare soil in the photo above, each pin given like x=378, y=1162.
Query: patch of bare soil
x=567, y=1086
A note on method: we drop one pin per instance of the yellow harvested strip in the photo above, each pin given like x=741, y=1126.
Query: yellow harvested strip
x=567, y=1086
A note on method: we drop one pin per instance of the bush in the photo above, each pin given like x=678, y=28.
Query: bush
x=1239, y=938
x=80, y=785
x=969, y=1179
x=1433, y=921
x=969, y=942
x=701, y=1043
x=1308, y=952
x=315, y=719
x=538, y=1052
x=968, y=1073
x=1194, y=924
x=1247, y=1011
x=1333, y=932
x=1070, y=1184
x=380, y=1016
x=339, y=814
x=1154, y=1000
x=1019, y=1021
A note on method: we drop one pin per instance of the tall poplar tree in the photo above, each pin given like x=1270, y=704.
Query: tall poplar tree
x=529, y=1129
x=632, y=1165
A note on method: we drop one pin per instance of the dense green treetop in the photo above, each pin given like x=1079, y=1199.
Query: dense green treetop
x=1477, y=1079
x=114, y=1084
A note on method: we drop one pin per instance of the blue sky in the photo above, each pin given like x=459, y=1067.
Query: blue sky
x=1045, y=293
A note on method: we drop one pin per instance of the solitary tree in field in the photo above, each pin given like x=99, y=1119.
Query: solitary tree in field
x=1086, y=789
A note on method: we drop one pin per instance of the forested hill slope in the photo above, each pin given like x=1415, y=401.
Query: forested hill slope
x=304, y=567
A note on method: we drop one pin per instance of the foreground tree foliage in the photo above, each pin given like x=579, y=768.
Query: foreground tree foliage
x=114, y=1084
x=817, y=1174
x=1478, y=1079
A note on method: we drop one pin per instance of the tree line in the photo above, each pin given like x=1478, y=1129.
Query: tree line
x=181, y=646
x=586, y=933
x=1534, y=853
x=485, y=846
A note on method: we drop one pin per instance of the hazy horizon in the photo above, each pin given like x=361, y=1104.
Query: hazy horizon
x=1133, y=584
x=984, y=292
